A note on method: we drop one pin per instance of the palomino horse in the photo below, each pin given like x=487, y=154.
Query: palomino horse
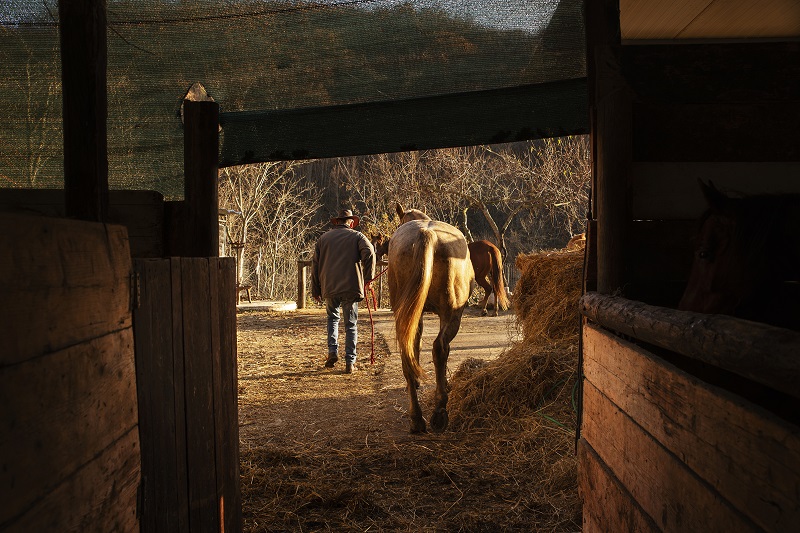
x=747, y=259
x=430, y=271
x=487, y=263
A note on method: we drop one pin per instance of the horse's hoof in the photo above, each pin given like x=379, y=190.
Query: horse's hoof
x=418, y=427
x=484, y=312
x=439, y=420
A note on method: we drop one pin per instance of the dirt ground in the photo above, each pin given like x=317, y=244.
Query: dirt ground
x=325, y=451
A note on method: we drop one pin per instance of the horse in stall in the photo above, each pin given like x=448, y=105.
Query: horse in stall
x=430, y=271
x=487, y=262
x=747, y=259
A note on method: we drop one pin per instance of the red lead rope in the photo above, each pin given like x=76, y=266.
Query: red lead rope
x=371, y=321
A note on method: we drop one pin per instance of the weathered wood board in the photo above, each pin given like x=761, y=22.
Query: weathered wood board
x=69, y=445
x=761, y=353
x=607, y=506
x=693, y=456
x=141, y=212
x=185, y=331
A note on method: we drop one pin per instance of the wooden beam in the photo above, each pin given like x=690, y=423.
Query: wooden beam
x=82, y=27
x=762, y=353
x=610, y=110
x=479, y=117
x=201, y=175
x=713, y=73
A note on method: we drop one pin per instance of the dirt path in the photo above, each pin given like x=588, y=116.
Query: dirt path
x=284, y=387
x=322, y=450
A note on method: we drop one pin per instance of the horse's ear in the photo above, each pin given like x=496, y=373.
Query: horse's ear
x=714, y=198
x=400, y=210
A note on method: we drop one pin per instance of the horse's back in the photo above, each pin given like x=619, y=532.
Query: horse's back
x=451, y=269
x=450, y=242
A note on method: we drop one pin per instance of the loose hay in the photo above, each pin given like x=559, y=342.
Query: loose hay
x=508, y=462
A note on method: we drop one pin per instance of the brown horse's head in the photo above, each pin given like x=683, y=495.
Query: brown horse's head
x=410, y=214
x=741, y=260
x=381, y=244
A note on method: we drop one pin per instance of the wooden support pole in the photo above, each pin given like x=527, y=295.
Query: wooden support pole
x=82, y=25
x=201, y=175
x=302, y=268
x=610, y=116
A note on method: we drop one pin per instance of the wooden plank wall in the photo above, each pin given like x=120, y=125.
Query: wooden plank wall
x=662, y=450
x=185, y=328
x=141, y=212
x=69, y=444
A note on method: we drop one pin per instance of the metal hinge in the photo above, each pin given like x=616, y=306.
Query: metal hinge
x=136, y=294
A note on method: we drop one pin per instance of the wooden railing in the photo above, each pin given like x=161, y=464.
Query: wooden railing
x=760, y=352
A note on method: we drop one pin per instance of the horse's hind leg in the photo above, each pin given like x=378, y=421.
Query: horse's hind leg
x=487, y=290
x=412, y=384
x=448, y=327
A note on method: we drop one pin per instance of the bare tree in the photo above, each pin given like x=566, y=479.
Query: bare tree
x=273, y=225
x=37, y=83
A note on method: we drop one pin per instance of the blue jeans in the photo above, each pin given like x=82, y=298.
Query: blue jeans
x=350, y=312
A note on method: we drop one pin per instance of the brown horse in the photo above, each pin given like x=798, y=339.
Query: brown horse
x=381, y=244
x=487, y=262
x=747, y=259
x=430, y=271
x=576, y=242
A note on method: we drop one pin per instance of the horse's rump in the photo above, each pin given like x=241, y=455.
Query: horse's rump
x=422, y=254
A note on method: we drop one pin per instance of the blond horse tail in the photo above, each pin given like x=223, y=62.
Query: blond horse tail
x=498, y=286
x=411, y=300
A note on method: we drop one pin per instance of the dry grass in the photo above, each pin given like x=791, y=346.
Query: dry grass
x=547, y=294
x=346, y=463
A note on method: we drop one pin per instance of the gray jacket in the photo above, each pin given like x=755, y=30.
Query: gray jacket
x=343, y=260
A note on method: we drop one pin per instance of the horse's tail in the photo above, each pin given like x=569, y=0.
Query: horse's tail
x=411, y=300
x=498, y=286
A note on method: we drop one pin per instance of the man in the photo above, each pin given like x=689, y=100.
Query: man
x=343, y=260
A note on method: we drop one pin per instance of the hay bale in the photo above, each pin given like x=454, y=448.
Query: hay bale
x=547, y=294
x=529, y=372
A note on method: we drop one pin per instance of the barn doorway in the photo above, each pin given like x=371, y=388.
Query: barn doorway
x=321, y=449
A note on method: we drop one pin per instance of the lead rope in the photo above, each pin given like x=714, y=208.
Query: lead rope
x=371, y=321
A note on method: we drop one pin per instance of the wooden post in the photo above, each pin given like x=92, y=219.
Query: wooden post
x=82, y=26
x=610, y=115
x=302, y=267
x=201, y=175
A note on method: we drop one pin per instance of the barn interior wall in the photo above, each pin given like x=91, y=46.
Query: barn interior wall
x=724, y=113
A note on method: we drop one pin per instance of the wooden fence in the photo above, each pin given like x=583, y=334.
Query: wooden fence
x=185, y=328
x=671, y=443
x=70, y=439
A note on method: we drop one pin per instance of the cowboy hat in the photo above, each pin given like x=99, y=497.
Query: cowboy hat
x=343, y=215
